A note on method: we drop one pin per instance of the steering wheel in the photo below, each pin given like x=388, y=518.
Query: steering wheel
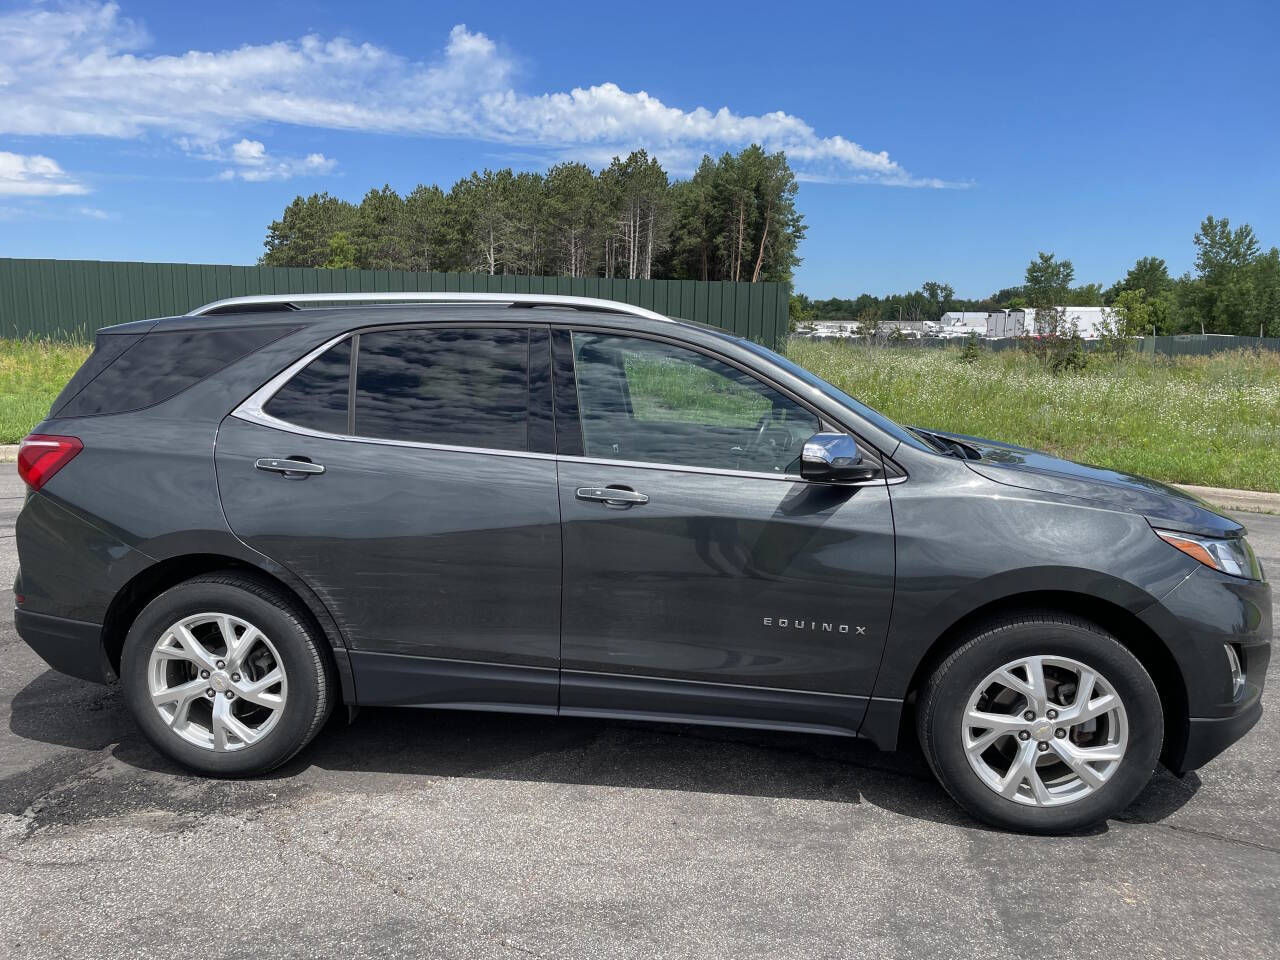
x=756, y=446
x=761, y=428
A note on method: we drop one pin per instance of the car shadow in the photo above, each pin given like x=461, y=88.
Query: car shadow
x=428, y=744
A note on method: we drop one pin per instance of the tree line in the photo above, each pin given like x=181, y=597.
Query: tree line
x=1234, y=288
x=734, y=219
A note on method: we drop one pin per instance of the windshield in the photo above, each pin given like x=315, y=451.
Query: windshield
x=874, y=417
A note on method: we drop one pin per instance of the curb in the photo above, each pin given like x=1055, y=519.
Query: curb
x=1252, y=500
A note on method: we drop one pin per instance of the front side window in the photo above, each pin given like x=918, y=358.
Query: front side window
x=650, y=401
x=454, y=386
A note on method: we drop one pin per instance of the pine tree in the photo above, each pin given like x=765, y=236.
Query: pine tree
x=300, y=238
x=735, y=219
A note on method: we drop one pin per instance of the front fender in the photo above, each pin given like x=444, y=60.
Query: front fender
x=914, y=632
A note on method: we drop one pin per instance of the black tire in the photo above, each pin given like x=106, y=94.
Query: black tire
x=303, y=656
x=942, y=705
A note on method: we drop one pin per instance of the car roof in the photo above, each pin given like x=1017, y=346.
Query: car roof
x=376, y=313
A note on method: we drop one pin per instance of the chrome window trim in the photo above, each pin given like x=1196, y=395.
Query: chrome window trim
x=266, y=420
x=724, y=471
x=254, y=403
x=251, y=410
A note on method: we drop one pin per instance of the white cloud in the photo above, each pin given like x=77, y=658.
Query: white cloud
x=33, y=175
x=78, y=70
x=250, y=161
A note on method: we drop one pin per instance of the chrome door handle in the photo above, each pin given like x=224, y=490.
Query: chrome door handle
x=613, y=496
x=298, y=468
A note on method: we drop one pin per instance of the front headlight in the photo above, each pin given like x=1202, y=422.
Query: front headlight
x=1231, y=555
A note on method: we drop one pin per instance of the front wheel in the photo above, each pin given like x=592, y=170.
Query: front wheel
x=223, y=675
x=1043, y=723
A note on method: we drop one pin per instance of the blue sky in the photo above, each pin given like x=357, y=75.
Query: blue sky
x=946, y=142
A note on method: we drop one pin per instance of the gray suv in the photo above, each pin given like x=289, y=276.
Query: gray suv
x=556, y=505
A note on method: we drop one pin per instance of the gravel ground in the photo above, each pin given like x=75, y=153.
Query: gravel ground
x=463, y=835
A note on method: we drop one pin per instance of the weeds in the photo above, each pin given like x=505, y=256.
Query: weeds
x=1212, y=420
x=32, y=372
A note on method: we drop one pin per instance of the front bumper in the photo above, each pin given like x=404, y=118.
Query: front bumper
x=69, y=646
x=1206, y=737
x=1209, y=736
x=1204, y=613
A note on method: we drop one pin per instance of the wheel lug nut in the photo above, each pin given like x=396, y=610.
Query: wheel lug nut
x=1052, y=714
x=210, y=693
x=235, y=678
x=1059, y=733
x=1042, y=747
x=204, y=674
x=1029, y=715
x=221, y=664
x=1024, y=735
x=230, y=695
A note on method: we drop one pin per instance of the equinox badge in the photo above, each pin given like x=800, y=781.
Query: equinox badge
x=818, y=625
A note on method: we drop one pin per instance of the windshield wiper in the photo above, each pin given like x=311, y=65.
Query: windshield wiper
x=948, y=447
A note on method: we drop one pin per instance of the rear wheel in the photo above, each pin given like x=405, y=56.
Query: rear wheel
x=1043, y=723
x=223, y=675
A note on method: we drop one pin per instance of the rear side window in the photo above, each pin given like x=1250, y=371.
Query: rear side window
x=161, y=365
x=316, y=397
x=461, y=387
x=106, y=350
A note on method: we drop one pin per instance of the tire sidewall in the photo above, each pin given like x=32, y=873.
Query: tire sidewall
x=1131, y=682
x=287, y=635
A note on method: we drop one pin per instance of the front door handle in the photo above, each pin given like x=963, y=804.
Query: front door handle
x=613, y=496
x=292, y=469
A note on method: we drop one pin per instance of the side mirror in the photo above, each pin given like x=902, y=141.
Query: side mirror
x=835, y=457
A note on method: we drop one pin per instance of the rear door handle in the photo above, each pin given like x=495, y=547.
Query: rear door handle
x=613, y=496
x=294, y=469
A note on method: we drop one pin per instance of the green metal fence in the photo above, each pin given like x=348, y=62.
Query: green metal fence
x=1198, y=343
x=70, y=299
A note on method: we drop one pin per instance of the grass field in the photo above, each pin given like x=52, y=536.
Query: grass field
x=1206, y=420
x=31, y=374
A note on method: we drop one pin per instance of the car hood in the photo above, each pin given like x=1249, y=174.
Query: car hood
x=1165, y=506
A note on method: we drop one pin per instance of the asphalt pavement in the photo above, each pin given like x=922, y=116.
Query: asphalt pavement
x=418, y=833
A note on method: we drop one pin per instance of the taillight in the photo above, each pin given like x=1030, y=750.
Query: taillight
x=40, y=456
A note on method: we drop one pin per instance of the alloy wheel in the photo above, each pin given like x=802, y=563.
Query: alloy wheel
x=217, y=681
x=1045, y=731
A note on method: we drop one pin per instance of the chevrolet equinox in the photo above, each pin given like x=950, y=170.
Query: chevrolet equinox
x=556, y=505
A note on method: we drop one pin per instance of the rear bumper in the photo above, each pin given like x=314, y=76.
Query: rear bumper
x=69, y=646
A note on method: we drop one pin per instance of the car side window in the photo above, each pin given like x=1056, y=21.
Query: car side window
x=651, y=401
x=316, y=396
x=447, y=385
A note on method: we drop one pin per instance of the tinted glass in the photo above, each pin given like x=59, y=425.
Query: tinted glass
x=106, y=350
x=467, y=388
x=162, y=365
x=316, y=397
x=645, y=400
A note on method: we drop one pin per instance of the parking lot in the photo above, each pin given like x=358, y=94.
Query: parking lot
x=415, y=833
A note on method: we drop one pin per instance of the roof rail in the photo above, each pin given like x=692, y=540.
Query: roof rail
x=292, y=300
